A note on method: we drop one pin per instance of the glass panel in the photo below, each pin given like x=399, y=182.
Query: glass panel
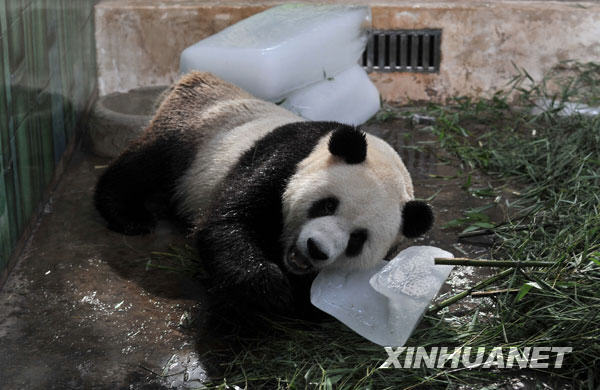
x=47, y=75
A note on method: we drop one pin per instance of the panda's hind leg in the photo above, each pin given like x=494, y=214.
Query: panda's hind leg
x=145, y=173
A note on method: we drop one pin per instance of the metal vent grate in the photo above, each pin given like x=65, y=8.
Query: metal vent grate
x=403, y=51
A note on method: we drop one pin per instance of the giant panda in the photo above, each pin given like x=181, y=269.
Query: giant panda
x=269, y=198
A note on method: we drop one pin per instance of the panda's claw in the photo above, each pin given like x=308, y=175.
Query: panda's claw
x=263, y=287
x=272, y=290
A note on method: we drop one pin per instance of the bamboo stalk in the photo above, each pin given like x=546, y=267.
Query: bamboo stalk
x=489, y=293
x=459, y=296
x=476, y=233
x=501, y=228
x=490, y=263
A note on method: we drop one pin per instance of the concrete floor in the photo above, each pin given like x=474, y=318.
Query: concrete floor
x=80, y=310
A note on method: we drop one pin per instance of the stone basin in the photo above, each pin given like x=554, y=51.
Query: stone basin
x=119, y=118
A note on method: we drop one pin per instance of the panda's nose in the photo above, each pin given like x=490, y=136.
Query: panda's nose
x=314, y=251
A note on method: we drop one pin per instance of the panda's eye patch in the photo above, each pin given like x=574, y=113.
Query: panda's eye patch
x=356, y=242
x=323, y=207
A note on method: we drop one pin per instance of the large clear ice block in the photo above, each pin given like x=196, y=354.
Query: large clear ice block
x=349, y=97
x=272, y=53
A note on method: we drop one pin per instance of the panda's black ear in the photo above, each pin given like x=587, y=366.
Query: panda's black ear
x=417, y=218
x=349, y=143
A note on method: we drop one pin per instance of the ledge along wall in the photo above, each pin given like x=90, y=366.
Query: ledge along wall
x=47, y=81
x=139, y=41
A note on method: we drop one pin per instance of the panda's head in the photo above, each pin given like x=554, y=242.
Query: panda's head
x=348, y=203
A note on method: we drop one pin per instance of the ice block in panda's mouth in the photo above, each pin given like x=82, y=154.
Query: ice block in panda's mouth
x=385, y=303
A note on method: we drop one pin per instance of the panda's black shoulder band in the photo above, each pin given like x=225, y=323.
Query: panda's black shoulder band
x=348, y=143
x=417, y=218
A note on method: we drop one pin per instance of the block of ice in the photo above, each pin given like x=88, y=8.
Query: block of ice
x=284, y=48
x=384, y=304
x=349, y=297
x=566, y=108
x=412, y=273
x=349, y=97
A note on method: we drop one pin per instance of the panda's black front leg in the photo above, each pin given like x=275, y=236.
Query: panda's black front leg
x=146, y=171
x=242, y=271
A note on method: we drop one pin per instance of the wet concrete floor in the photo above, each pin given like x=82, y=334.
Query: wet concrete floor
x=81, y=309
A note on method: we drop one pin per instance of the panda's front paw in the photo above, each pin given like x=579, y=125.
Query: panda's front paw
x=276, y=291
x=263, y=288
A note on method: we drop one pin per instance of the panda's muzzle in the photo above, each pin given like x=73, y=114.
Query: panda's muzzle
x=297, y=263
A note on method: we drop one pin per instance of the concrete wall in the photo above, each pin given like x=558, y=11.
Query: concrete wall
x=482, y=41
x=139, y=41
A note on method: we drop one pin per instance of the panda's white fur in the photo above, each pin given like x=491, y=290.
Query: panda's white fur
x=214, y=159
x=372, y=195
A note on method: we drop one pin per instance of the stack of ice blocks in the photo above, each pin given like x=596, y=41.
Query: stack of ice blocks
x=299, y=55
x=385, y=303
